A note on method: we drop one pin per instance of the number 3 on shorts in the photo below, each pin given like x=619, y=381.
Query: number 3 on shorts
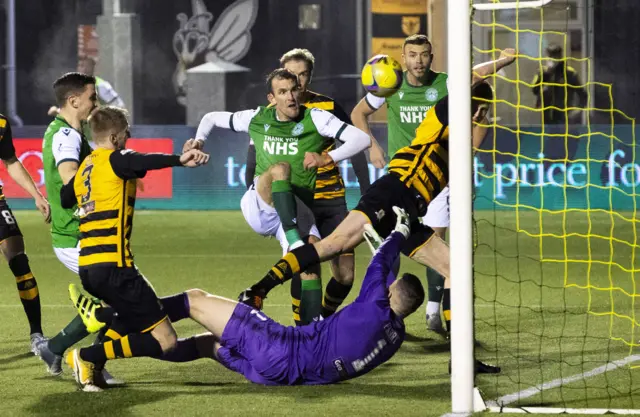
x=8, y=217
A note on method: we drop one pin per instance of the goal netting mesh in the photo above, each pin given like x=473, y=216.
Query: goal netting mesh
x=555, y=229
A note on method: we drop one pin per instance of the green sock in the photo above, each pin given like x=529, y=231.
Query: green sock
x=285, y=204
x=310, y=300
x=436, y=285
x=69, y=336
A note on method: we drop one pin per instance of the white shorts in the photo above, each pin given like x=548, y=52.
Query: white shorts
x=438, y=210
x=69, y=257
x=264, y=219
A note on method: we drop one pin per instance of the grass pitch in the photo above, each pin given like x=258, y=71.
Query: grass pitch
x=536, y=333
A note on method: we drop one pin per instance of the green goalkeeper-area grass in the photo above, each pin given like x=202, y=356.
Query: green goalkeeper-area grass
x=535, y=333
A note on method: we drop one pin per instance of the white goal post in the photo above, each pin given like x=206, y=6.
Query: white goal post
x=460, y=179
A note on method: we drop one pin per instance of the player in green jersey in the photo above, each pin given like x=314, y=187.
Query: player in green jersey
x=289, y=139
x=63, y=149
x=421, y=89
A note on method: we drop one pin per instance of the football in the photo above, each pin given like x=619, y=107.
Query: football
x=381, y=76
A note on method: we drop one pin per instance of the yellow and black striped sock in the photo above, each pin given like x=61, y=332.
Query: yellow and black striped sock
x=129, y=346
x=334, y=296
x=28, y=291
x=446, y=307
x=292, y=263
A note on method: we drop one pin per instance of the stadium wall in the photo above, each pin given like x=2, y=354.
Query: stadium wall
x=601, y=173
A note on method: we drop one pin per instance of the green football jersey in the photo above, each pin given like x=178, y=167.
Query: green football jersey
x=62, y=143
x=288, y=141
x=407, y=107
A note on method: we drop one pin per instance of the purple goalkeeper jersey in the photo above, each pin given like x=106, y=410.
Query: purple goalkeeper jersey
x=348, y=344
x=361, y=336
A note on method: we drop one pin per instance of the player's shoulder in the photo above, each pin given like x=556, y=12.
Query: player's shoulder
x=319, y=98
x=65, y=133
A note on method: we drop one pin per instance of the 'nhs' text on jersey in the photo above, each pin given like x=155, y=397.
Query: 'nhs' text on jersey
x=280, y=146
x=413, y=114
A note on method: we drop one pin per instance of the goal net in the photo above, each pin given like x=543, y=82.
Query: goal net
x=554, y=221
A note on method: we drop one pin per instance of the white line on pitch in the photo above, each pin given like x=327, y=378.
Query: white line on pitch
x=530, y=392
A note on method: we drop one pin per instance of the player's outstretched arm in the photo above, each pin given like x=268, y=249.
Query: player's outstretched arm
x=481, y=71
x=128, y=164
x=360, y=119
x=376, y=280
x=21, y=176
x=238, y=122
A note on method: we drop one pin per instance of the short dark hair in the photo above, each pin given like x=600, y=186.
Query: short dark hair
x=299, y=54
x=554, y=50
x=280, y=74
x=69, y=84
x=107, y=120
x=416, y=39
x=411, y=292
x=481, y=93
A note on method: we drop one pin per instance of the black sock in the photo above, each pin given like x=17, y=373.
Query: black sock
x=296, y=290
x=446, y=308
x=176, y=306
x=185, y=351
x=290, y=264
x=105, y=314
x=74, y=332
x=28, y=291
x=131, y=345
x=334, y=296
x=436, y=285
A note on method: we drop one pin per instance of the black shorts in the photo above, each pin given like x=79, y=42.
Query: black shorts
x=377, y=204
x=329, y=214
x=128, y=292
x=8, y=223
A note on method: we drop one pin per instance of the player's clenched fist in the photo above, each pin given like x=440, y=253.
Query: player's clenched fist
x=508, y=54
x=194, y=158
x=193, y=144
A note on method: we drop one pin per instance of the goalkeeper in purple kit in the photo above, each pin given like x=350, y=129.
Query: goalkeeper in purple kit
x=350, y=343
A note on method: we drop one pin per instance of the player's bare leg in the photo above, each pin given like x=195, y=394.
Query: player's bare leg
x=13, y=251
x=345, y=237
x=211, y=311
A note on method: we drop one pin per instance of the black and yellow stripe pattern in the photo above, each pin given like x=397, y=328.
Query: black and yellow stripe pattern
x=3, y=129
x=106, y=206
x=424, y=164
x=27, y=287
x=329, y=183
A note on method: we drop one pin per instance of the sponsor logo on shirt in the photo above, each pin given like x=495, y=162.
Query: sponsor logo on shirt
x=340, y=368
x=280, y=146
x=392, y=335
x=360, y=364
x=401, y=94
x=413, y=114
x=266, y=127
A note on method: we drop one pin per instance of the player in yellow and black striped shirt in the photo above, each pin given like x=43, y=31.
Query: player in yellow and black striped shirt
x=104, y=189
x=329, y=206
x=11, y=240
x=413, y=180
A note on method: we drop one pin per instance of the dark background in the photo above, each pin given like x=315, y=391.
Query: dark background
x=47, y=47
